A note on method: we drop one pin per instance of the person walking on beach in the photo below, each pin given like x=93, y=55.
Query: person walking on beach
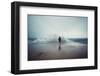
x=59, y=39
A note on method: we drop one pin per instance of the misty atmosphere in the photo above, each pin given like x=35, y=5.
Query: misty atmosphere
x=57, y=37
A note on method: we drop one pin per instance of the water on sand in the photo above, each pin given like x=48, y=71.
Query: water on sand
x=52, y=51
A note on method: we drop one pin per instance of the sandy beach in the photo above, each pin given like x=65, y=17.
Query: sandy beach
x=52, y=51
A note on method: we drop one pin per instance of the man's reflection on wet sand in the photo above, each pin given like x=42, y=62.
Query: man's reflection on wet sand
x=59, y=48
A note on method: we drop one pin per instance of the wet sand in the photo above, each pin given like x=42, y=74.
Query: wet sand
x=52, y=51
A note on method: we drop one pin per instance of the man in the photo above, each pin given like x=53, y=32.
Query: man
x=59, y=39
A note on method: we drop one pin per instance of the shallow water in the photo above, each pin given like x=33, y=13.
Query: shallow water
x=52, y=51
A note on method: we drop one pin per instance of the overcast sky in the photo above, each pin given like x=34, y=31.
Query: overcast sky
x=41, y=26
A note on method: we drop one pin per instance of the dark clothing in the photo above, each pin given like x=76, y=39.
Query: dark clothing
x=59, y=39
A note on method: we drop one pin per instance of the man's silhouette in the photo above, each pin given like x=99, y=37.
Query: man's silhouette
x=59, y=39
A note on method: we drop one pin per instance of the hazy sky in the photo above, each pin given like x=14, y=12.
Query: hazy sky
x=66, y=26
